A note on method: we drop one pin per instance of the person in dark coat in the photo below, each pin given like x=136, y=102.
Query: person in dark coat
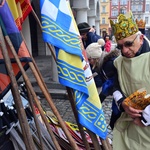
x=88, y=34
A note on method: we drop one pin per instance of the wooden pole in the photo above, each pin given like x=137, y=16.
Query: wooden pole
x=49, y=46
x=35, y=118
x=26, y=79
x=72, y=102
x=45, y=92
x=54, y=109
x=94, y=140
x=17, y=99
x=105, y=144
x=71, y=140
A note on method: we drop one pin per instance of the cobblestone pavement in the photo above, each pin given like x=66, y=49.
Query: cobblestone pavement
x=64, y=108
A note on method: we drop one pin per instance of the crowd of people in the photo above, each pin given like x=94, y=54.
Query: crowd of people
x=121, y=72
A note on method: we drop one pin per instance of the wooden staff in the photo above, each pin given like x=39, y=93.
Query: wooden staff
x=17, y=99
x=72, y=101
x=45, y=92
x=94, y=140
x=35, y=118
x=106, y=145
x=71, y=140
x=54, y=109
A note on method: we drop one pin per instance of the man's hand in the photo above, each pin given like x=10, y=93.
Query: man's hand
x=133, y=113
x=92, y=30
x=138, y=122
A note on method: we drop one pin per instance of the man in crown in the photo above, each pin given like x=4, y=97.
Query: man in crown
x=141, y=25
x=132, y=129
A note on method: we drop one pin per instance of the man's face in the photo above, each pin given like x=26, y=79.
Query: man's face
x=84, y=36
x=129, y=46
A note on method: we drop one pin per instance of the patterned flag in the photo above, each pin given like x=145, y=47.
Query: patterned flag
x=60, y=30
x=10, y=29
x=20, y=10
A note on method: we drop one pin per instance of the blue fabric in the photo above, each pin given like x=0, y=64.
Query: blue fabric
x=107, y=86
x=60, y=30
x=91, y=37
x=57, y=30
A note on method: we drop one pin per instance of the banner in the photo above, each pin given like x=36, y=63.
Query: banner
x=60, y=29
x=20, y=10
x=10, y=30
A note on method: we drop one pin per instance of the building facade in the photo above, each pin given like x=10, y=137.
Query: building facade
x=139, y=8
x=104, y=17
x=146, y=17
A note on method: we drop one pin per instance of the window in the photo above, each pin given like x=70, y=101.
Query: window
x=114, y=2
x=124, y=11
x=103, y=20
x=123, y=2
x=103, y=0
x=133, y=8
x=146, y=20
x=103, y=9
x=114, y=13
x=139, y=7
x=147, y=9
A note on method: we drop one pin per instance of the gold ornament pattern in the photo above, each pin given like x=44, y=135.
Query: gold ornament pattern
x=125, y=26
x=138, y=100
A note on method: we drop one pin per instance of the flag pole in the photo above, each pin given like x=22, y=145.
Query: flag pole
x=72, y=102
x=54, y=109
x=28, y=83
x=17, y=99
x=35, y=118
x=39, y=23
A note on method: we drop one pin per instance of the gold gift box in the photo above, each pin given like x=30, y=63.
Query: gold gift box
x=138, y=100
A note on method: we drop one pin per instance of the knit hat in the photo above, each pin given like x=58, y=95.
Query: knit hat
x=84, y=27
x=94, y=50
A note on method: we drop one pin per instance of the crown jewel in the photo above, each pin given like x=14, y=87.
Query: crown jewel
x=125, y=26
x=141, y=24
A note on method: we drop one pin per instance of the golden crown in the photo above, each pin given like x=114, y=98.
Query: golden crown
x=125, y=26
x=141, y=24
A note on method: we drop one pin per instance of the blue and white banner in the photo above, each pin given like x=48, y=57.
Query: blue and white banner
x=60, y=30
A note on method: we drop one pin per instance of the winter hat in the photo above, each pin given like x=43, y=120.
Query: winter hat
x=101, y=42
x=83, y=27
x=94, y=50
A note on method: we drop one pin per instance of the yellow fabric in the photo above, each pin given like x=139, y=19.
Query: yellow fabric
x=93, y=96
x=16, y=12
x=134, y=73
